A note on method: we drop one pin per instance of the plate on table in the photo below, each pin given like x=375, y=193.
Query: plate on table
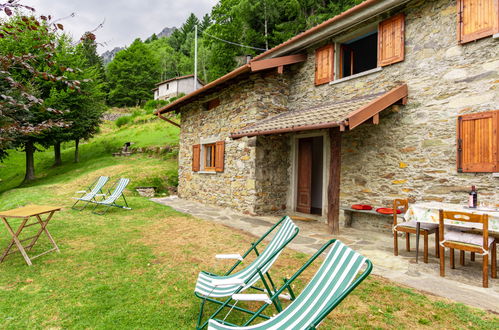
x=361, y=207
x=386, y=210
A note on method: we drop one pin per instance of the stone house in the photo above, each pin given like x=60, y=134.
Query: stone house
x=176, y=86
x=392, y=98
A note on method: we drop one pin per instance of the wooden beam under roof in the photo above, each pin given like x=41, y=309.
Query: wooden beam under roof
x=277, y=62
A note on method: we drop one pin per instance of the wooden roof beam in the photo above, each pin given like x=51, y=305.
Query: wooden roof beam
x=277, y=62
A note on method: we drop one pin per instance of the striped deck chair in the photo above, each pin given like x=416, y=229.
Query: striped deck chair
x=334, y=280
x=90, y=194
x=209, y=287
x=110, y=200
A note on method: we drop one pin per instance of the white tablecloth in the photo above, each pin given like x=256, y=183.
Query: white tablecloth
x=428, y=212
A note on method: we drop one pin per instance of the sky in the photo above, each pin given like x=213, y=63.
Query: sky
x=123, y=20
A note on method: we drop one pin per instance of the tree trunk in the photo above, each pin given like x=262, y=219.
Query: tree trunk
x=77, y=153
x=29, y=149
x=57, y=154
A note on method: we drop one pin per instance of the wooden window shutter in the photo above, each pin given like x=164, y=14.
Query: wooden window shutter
x=196, y=156
x=324, y=64
x=477, y=19
x=219, y=156
x=477, y=142
x=391, y=40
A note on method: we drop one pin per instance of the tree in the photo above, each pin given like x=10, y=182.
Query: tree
x=132, y=75
x=27, y=50
x=84, y=107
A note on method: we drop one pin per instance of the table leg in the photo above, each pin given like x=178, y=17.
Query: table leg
x=418, y=226
x=44, y=228
x=16, y=240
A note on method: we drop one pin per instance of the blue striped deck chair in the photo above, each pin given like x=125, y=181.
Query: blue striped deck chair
x=336, y=278
x=90, y=193
x=219, y=289
x=110, y=199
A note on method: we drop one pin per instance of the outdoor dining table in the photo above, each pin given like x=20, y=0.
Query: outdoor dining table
x=429, y=212
x=25, y=213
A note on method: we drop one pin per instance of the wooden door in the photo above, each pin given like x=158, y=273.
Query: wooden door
x=304, y=196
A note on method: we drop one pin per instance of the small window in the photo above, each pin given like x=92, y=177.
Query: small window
x=167, y=86
x=478, y=142
x=359, y=55
x=212, y=104
x=209, y=157
x=477, y=19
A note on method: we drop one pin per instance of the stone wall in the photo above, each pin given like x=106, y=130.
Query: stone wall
x=241, y=186
x=412, y=153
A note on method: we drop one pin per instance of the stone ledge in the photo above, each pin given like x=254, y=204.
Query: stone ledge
x=358, y=75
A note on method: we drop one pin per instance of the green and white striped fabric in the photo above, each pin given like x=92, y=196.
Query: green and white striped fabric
x=248, y=275
x=333, y=278
x=122, y=183
x=95, y=190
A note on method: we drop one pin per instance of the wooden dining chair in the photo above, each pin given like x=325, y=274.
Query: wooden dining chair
x=409, y=227
x=463, y=241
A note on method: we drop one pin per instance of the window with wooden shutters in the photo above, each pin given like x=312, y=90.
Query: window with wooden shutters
x=477, y=142
x=391, y=40
x=477, y=19
x=324, y=64
x=196, y=155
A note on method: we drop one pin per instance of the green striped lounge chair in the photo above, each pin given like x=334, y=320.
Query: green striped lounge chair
x=335, y=279
x=219, y=289
x=90, y=194
x=110, y=199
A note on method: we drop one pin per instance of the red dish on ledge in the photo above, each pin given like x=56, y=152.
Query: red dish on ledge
x=361, y=207
x=386, y=210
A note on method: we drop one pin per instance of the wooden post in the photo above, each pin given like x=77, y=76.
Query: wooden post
x=333, y=189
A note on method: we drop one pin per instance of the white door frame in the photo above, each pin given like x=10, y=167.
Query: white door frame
x=293, y=191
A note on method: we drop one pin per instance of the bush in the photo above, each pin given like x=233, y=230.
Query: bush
x=152, y=105
x=125, y=120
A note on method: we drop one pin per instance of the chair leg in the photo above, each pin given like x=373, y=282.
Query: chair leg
x=485, y=261
x=451, y=259
x=395, y=243
x=493, y=268
x=461, y=257
x=407, y=242
x=437, y=240
x=472, y=256
x=442, y=260
x=425, y=253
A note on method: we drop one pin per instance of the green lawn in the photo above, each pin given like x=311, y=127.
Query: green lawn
x=137, y=268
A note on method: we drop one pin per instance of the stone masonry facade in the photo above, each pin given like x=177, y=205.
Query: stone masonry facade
x=410, y=154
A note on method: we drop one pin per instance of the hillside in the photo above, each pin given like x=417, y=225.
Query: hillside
x=156, y=139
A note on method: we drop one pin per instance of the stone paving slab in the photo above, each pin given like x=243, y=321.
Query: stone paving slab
x=462, y=284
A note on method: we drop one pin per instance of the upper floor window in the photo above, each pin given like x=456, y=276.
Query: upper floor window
x=478, y=142
x=477, y=19
x=167, y=86
x=359, y=54
x=363, y=51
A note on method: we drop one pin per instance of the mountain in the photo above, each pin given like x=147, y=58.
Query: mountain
x=166, y=32
x=109, y=55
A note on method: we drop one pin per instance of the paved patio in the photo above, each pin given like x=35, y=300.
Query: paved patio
x=462, y=284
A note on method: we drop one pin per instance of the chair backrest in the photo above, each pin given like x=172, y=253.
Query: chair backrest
x=251, y=273
x=99, y=184
x=118, y=190
x=402, y=204
x=327, y=288
x=465, y=217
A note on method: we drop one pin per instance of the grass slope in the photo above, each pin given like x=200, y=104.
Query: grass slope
x=137, y=268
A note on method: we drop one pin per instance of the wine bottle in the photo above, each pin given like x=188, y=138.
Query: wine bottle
x=473, y=199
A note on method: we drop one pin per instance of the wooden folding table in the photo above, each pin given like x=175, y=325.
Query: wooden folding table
x=25, y=213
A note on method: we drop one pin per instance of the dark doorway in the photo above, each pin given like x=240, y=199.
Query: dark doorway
x=310, y=175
